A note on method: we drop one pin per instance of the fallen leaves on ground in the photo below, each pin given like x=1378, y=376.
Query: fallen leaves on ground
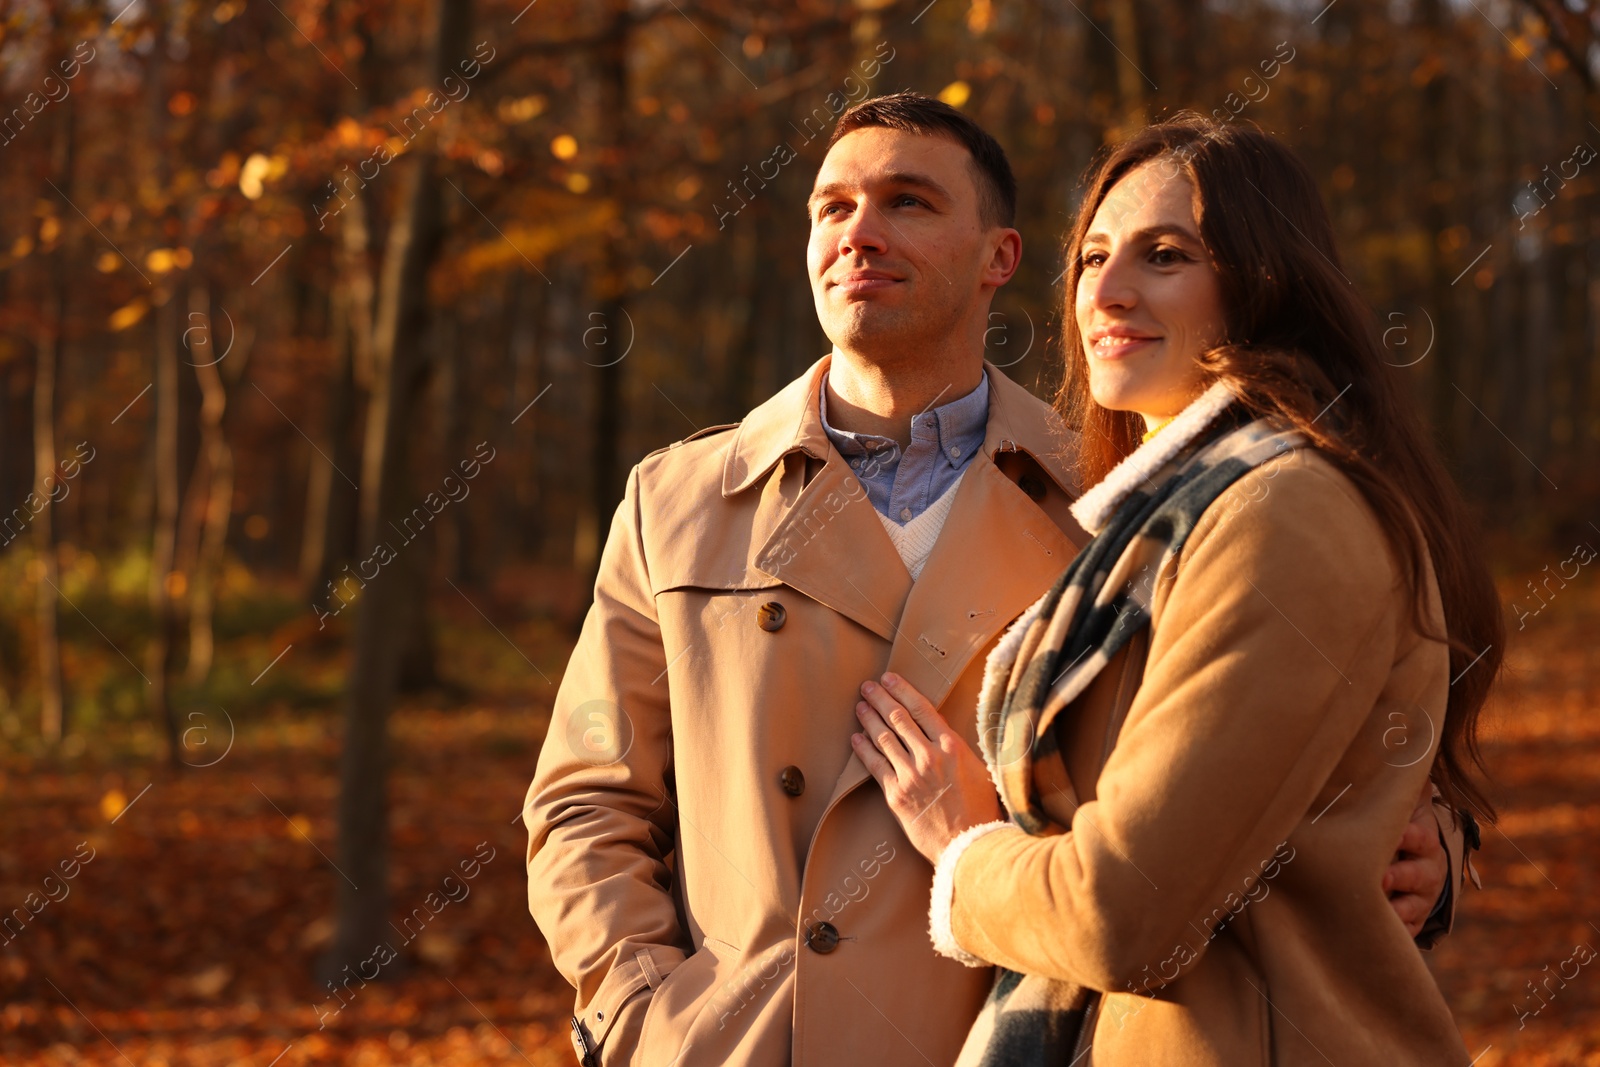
x=198, y=901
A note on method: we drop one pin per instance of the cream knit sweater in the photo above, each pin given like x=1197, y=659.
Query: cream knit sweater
x=915, y=540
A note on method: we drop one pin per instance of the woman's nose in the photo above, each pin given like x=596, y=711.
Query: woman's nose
x=1111, y=286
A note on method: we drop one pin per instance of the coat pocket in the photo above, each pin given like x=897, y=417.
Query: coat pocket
x=677, y=1003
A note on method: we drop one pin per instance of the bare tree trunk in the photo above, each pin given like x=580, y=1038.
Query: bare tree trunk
x=167, y=583
x=330, y=501
x=731, y=330
x=52, y=716
x=52, y=700
x=1130, y=74
x=606, y=483
x=209, y=498
x=375, y=668
x=527, y=307
x=329, y=529
x=1443, y=367
x=363, y=851
x=454, y=388
x=1491, y=383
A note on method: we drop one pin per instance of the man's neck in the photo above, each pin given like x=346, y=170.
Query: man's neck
x=864, y=397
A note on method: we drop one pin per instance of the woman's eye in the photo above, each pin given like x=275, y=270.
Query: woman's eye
x=1166, y=257
x=1093, y=259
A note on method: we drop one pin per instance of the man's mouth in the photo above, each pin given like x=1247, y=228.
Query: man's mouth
x=866, y=281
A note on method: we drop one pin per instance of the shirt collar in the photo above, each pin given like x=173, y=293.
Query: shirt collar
x=956, y=430
x=791, y=422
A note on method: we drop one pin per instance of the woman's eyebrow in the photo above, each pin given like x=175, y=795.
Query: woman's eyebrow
x=1160, y=229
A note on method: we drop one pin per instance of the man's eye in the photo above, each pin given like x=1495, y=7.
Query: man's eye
x=901, y=201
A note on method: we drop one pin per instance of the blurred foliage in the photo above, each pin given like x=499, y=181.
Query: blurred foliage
x=611, y=256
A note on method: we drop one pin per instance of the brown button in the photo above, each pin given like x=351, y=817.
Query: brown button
x=822, y=938
x=1032, y=486
x=771, y=616
x=792, y=781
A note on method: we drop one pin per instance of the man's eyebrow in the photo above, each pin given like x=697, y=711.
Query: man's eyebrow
x=1160, y=229
x=825, y=191
x=918, y=181
x=901, y=179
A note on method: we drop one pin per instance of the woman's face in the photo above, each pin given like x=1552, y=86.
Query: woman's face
x=1149, y=300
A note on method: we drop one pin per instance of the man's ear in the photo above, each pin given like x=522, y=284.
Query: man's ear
x=1005, y=258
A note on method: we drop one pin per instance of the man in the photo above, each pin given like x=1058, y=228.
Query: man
x=712, y=869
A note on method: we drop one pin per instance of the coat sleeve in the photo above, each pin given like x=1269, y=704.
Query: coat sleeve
x=1274, y=644
x=600, y=815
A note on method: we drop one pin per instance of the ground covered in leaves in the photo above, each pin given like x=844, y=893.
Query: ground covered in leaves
x=198, y=901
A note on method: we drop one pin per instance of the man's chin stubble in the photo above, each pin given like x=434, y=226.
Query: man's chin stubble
x=868, y=329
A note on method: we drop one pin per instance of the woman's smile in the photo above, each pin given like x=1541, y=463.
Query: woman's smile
x=1119, y=342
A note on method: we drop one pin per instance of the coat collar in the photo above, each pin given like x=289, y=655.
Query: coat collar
x=1095, y=507
x=791, y=421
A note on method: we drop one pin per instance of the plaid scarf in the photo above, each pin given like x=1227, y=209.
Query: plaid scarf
x=1140, y=519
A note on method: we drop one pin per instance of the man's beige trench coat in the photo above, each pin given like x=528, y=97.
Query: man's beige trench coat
x=714, y=870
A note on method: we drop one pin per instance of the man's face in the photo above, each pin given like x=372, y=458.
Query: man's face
x=899, y=254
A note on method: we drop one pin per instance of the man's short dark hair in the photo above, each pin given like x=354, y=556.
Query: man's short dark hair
x=917, y=113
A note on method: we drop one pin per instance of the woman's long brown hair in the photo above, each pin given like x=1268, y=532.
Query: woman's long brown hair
x=1302, y=346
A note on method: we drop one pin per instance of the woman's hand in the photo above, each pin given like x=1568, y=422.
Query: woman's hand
x=937, y=786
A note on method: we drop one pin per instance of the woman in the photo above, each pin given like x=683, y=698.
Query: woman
x=1208, y=733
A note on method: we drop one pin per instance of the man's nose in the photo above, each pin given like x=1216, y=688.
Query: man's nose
x=867, y=231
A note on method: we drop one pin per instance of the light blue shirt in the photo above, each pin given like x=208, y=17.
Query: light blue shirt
x=901, y=486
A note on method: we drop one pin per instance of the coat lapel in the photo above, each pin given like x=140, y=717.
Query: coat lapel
x=998, y=550
x=826, y=541
x=996, y=554
x=831, y=546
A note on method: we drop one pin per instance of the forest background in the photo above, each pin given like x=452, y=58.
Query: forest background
x=329, y=330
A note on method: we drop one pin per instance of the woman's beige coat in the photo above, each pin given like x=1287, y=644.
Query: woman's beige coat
x=1220, y=879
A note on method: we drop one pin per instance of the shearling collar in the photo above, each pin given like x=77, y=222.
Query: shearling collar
x=792, y=421
x=1095, y=507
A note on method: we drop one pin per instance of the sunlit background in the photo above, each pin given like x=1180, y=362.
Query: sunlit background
x=329, y=330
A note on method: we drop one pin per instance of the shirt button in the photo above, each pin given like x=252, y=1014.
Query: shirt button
x=955, y=453
x=905, y=513
x=856, y=464
x=771, y=616
x=792, y=781
x=822, y=938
